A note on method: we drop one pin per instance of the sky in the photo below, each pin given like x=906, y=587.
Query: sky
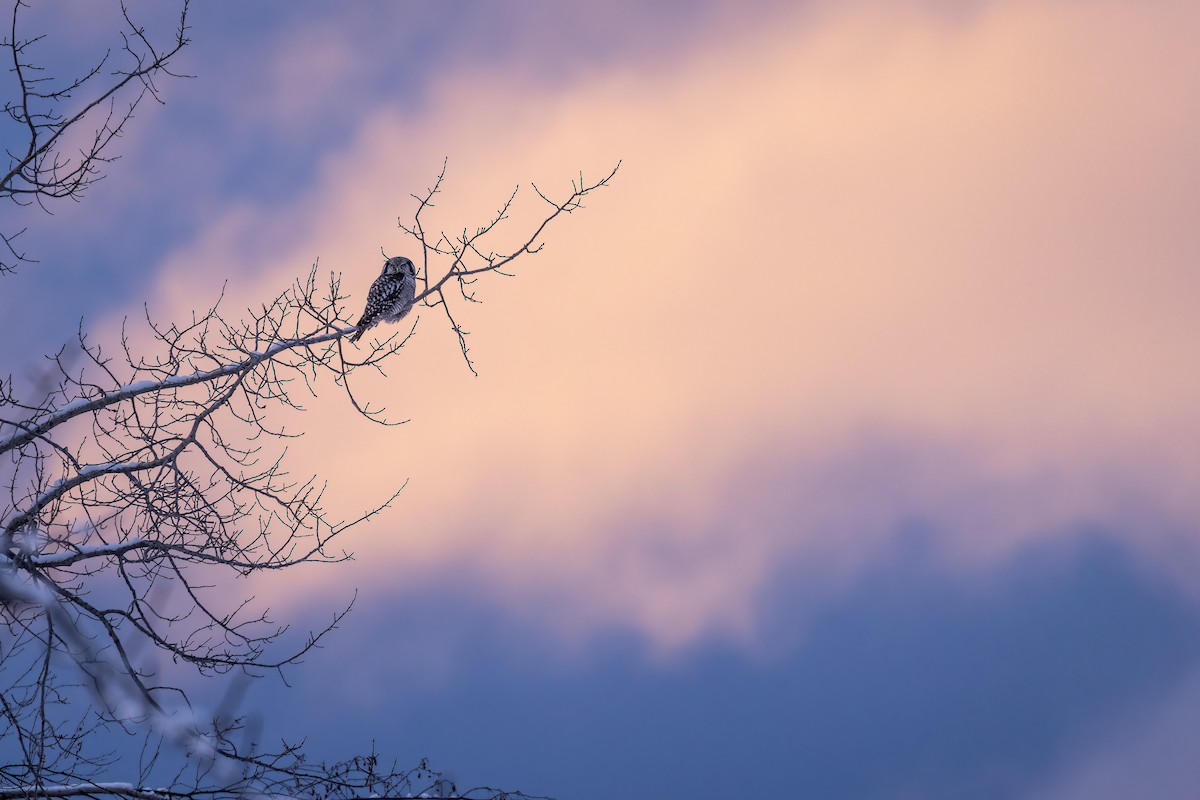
x=844, y=447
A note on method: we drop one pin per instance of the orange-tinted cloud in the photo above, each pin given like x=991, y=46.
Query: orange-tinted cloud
x=833, y=232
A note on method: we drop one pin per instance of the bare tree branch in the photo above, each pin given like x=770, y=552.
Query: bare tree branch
x=133, y=483
x=42, y=168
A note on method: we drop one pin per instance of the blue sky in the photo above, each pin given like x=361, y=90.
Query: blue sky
x=913, y=683
x=845, y=447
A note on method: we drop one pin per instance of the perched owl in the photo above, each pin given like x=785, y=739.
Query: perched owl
x=391, y=295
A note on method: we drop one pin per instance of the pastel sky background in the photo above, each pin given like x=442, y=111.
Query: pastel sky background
x=847, y=446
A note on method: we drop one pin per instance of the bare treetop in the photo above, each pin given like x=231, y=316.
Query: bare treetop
x=137, y=483
x=59, y=131
x=141, y=472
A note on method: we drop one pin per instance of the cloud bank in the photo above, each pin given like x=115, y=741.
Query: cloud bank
x=862, y=266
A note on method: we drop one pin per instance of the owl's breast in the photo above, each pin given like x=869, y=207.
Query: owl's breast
x=402, y=304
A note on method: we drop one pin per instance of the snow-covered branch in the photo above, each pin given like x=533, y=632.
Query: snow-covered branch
x=26, y=432
x=91, y=790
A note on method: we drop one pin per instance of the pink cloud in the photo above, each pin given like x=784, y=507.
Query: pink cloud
x=830, y=231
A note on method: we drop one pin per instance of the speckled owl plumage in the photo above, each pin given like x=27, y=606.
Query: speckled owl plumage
x=391, y=295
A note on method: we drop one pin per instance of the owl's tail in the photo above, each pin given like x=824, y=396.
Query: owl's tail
x=358, y=333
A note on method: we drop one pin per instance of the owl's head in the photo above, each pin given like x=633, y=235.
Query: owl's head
x=397, y=265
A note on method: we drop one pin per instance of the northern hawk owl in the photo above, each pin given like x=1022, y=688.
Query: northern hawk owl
x=391, y=295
